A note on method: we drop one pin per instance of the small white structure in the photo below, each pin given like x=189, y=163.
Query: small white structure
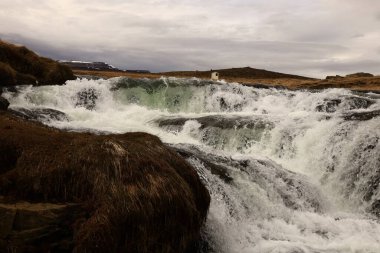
x=214, y=76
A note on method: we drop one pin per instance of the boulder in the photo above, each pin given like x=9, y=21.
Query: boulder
x=86, y=98
x=361, y=116
x=101, y=193
x=3, y=104
x=19, y=65
x=236, y=122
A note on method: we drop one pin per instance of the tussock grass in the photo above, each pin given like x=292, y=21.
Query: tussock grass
x=139, y=195
x=19, y=65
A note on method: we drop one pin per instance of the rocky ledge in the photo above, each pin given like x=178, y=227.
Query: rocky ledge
x=3, y=103
x=80, y=192
x=19, y=65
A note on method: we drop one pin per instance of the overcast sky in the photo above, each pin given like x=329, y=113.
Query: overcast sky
x=307, y=37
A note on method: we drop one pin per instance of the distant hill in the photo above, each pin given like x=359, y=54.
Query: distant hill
x=260, y=78
x=98, y=66
x=89, y=65
x=247, y=72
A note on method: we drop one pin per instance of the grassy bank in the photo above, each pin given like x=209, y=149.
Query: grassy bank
x=287, y=81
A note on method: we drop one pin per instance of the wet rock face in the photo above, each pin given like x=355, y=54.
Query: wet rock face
x=218, y=122
x=233, y=133
x=375, y=208
x=216, y=169
x=87, y=98
x=39, y=114
x=359, y=103
x=3, y=104
x=290, y=187
x=100, y=193
x=328, y=105
x=362, y=116
x=348, y=103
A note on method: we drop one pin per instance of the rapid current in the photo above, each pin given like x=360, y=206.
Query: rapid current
x=288, y=171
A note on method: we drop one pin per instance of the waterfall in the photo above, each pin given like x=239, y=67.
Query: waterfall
x=288, y=171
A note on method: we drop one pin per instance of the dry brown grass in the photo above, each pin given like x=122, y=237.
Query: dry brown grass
x=139, y=195
x=28, y=67
x=353, y=83
x=247, y=72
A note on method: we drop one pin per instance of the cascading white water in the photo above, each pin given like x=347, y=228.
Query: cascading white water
x=300, y=169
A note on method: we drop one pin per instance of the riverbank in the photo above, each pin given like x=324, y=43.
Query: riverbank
x=292, y=82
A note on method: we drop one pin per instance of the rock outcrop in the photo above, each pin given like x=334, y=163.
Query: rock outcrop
x=246, y=72
x=3, y=104
x=19, y=65
x=80, y=192
x=333, y=77
x=360, y=74
x=39, y=114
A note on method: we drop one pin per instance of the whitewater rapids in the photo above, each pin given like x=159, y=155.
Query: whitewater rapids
x=288, y=171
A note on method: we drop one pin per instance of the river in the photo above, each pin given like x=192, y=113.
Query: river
x=288, y=171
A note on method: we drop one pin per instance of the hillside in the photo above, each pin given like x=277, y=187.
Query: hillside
x=352, y=81
x=246, y=72
x=19, y=65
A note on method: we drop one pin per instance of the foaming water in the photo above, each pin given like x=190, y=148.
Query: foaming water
x=288, y=171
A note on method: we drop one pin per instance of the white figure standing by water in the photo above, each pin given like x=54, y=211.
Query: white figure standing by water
x=214, y=76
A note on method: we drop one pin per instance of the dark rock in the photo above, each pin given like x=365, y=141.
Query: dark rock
x=39, y=114
x=346, y=102
x=333, y=77
x=328, y=105
x=235, y=122
x=215, y=169
x=89, y=77
x=362, y=116
x=214, y=130
x=3, y=104
x=265, y=86
x=19, y=65
x=134, y=193
x=87, y=98
x=375, y=208
x=358, y=103
x=289, y=186
x=10, y=89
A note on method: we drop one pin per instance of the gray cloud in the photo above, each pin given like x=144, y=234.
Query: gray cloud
x=308, y=37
